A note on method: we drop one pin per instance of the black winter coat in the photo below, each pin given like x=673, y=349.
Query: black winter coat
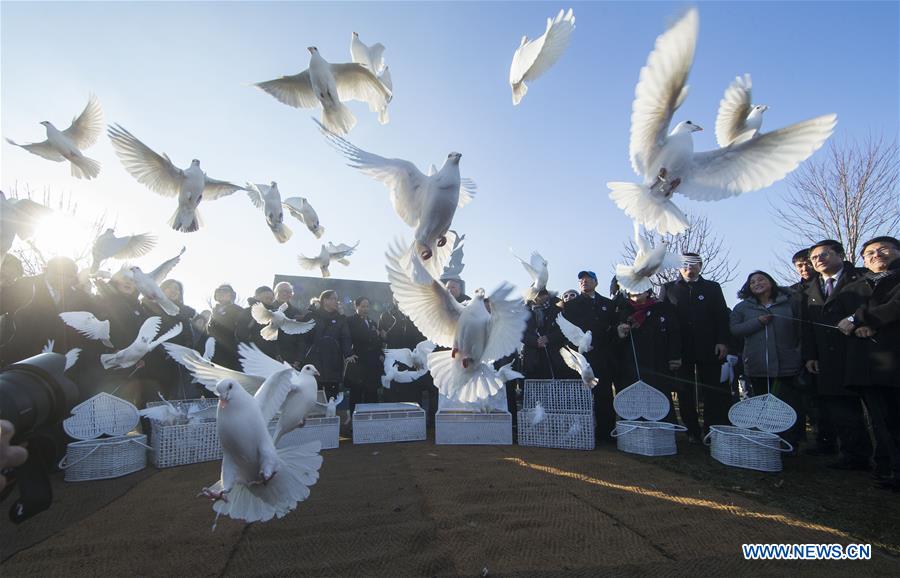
x=171, y=378
x=877, y=305
x=702, y=318
x=827, y=344
x=657, y=340
x=291, y=347
x=328, y=344
x=368, y=348
x=221, y=327
x=544, y=362
x=400, y=331
x=597, y=315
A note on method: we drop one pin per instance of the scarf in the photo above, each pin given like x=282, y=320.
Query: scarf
x=641, y=310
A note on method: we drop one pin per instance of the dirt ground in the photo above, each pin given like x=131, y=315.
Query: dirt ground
x=416, y=509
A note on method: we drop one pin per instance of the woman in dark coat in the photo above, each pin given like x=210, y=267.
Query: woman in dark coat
x=365, y=366
x=222, y=324
x=329, y=345
x=542, y=340
x=171, y=378
x=652, y=327
x=767, y=321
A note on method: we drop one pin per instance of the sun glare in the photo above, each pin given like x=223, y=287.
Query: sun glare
x=63, y=235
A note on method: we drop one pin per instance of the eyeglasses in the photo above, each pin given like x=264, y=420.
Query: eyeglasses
x=821, y=256
x=879, y=251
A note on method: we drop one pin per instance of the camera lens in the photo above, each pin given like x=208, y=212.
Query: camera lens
x=35, y=392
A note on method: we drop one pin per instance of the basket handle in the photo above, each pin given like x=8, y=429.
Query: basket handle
x=707, y=439
x=616, y=433
x=63, y=465
x=780, y=440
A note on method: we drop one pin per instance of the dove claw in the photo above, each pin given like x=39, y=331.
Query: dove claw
x=425, y=254
x=672, y=186
x=442, y=241
x=465, y=362
x=453, y=353
x=214, y=496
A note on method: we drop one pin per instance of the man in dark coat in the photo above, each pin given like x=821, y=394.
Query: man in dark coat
x=329, y=346
x=169, y=377
x=542, y=341
x=247, y=330
x=703, y=323
x=592, y=312
x=290, y=347
x=365, y=366
x=824, y=351
x=873, y=352
x=222, y=324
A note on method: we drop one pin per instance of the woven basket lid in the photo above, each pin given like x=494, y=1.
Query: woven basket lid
x=640, y=400
x=763, y=412
x=102, y=414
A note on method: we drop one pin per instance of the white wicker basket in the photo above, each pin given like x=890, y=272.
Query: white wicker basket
x=751, y=442
x=388, y=422
x=570, y=431
x=468, y=428
x=558, y=395
x=324, y=429
x=104, y=458
x=647, y=438
x=641, y=401
x=103, y=414
x=189, y=443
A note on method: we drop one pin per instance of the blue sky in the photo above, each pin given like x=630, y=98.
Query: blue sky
x=177, y=75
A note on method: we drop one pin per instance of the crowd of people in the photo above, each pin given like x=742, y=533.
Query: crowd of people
x=828, y=345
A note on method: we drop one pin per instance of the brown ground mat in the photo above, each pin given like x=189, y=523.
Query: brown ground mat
x=417, y=509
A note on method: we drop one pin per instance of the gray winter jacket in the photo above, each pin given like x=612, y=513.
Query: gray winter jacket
x=782, y=335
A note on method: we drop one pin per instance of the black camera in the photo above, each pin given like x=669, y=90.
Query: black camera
x=36, y=396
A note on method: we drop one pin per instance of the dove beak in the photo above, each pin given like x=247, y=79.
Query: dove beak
x=316, y=373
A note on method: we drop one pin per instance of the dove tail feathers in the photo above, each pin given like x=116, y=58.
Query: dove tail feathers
x=338, y=118
x=518, y=92
x=84, y=168
x=185, y=220
x=282, y=233
x=108, y=360
x=269, y=333
x=478, y=381
x=639, y=204
x=298, y=469
x=631, y=282
x=318, y=231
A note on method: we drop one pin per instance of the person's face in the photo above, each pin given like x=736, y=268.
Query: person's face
x=330, y=303
x=62, y=278
x=173, y=292
x=124, y=285
x=223, y=297
x=760, y=286
x=454, y=288
x=568, y=296
x=587, y=284
x=879, y=256
x=826, y=260
x=284, y=294
x=804, y=268
x=266, y=297
x=363, y=308
x=690, y=271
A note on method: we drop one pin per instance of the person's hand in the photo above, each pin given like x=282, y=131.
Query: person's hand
x=352, y=359
x=674, y=364
x=846, y=326
x=10, y=456
x=812, y=366
x=764, y=319
x=721, y=351
x=864, y=332
x=542, y=341
x=623, y=329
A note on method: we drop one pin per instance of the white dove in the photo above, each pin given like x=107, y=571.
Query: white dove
x=148, y=284
x=158, y=173
x=477, y=336
x=577, y=363
x=328, y=85
x=209, y=349
x=534, y=58
x=575, y=335
x=536, y=267
x=329, y=253
x=86, y=324
x=537, y=414
x=648, y=261
x=507, y=373
x=169, y=414
x=71, y=355
x=19, y=218
x=393, y=373
x=738, y=119
x=666, y=160
x=268, y=198
x=427, y=203
x=413, y=358
x=258, y=482
x=67, y=145
x=372, y=57
x=108, y=246
x=275, y=320
x=300, y=209
x=331, y=406
x=142, y=345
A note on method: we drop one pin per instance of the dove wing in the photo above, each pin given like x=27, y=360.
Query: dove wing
x=260, y=314
x=571, y=359
x=174, y=331
x=342, y=250
x=215, y=189
x=571, y=331
x=149, y=329
x=356, y=82
x=528, y=267
x=405, y=182
x=255, y=195
x=661, y=90
x=508, y=319
x=308, y=262
x=467, y=191
x=87, y=126
x=293, y=90
x=149, y=168
x=292, y=327
x=208, y=373
x=86, y=324
x=42, y=149
x=297, y=207
x=402, y=355
x=274, y=390
x=209, y=350
x=255, y=362
x=537, y=56
x=430, y=307
x=160, y=273
x=733, y=110
x=756, y=163
x=132, y=246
